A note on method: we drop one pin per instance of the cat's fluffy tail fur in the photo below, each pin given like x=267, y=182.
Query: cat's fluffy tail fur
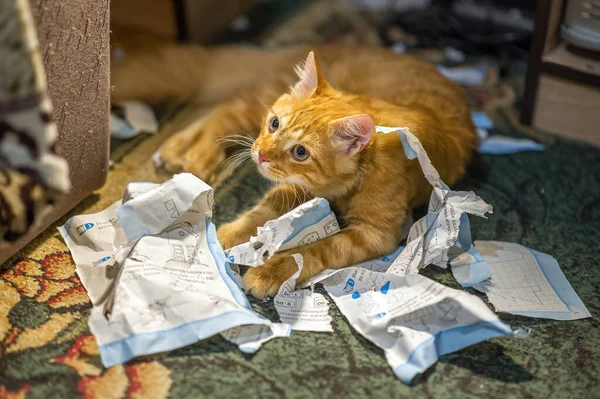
x=209, y=75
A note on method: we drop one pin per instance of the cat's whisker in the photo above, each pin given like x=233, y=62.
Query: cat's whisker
x=233, y=141
x=306, y=195
x=245, y=135
x=234, y=161
x=296, y=195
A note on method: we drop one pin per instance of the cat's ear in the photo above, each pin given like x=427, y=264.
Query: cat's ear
x=353, y=133
x=310, y=77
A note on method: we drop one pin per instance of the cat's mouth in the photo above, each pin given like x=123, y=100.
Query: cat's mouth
x=264, y=169
x=270, y=173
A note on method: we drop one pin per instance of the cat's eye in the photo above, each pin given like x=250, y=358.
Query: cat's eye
x=300, y=153
x=274, y=124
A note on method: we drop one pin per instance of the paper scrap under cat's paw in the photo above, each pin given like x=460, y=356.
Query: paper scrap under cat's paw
x=303, y=309
x=309, y=222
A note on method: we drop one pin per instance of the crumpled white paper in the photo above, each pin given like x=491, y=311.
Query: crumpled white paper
x=156, y=274
x=303, y=309
x=412, y=318
x=525, y=282
x=305, y=224
x=432, y=236
x=137, y=118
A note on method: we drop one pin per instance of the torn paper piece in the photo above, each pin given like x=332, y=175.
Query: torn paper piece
x=431, y=238
x=377, y=265
x=130, y=118
x=525, y=282
x=151, y=212
x=94, y=240
x=474, y=272
x=165, y=289
x=136, y=189
x=482, y=121
x=303, y=225
x=500, y=145
x=465, y=75
x=249, y=339
x=302, y=309
x=412, y=318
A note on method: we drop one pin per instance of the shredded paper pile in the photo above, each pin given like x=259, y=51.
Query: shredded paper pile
x=159, y=279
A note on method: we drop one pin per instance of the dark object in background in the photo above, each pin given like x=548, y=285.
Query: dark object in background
x=78, y=85
x=176, y=20
x=562, y=87
x=581, y=26
x=495, y=28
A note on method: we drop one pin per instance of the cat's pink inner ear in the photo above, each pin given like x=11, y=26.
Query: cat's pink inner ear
x=309, y=77
x=354, y=132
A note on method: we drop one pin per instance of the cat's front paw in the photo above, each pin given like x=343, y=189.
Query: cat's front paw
x=173, y=151
x=205, y=162
x=235, y=233
x=265, y=280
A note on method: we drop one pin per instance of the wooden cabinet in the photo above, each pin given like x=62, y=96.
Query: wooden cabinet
x=562, y=87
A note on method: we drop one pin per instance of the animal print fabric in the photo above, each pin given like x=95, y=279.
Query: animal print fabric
x=32, y=175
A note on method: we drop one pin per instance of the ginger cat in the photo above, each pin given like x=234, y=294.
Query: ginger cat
x=319, y=141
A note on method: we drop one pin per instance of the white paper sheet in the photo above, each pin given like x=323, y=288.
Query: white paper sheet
x=250, y=338
x=138, y=117
x=303, y=225
x=412, y=318
x=525, y=282
x=302, y=309
x=497, y=144
x=156, y=274
x=431, y=237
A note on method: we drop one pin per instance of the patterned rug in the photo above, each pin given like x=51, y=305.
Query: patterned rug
x=549, y=201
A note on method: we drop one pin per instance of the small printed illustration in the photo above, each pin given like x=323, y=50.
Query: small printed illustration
x=172, y=208
x=184, y=243
x=332, y=227
x=309, y=238
x=349, y=286
x=178, y=286
x=430, y=318
x=320, y=301
x=84, y=227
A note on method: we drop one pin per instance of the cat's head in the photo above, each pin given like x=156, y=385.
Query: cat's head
x=313, y=135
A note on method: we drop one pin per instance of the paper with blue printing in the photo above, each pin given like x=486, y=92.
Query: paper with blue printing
x=446, y=226
x=412, y=318
x=309, y=222
x=157, y=276
x=303, y=310
x=131, y=119
x=497, y=144
x=525, y=282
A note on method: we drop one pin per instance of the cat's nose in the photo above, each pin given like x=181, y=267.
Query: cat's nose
x=262, y=158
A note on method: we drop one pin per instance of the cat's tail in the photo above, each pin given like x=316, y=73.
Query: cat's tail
x=208, y=74
x=152, y=76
